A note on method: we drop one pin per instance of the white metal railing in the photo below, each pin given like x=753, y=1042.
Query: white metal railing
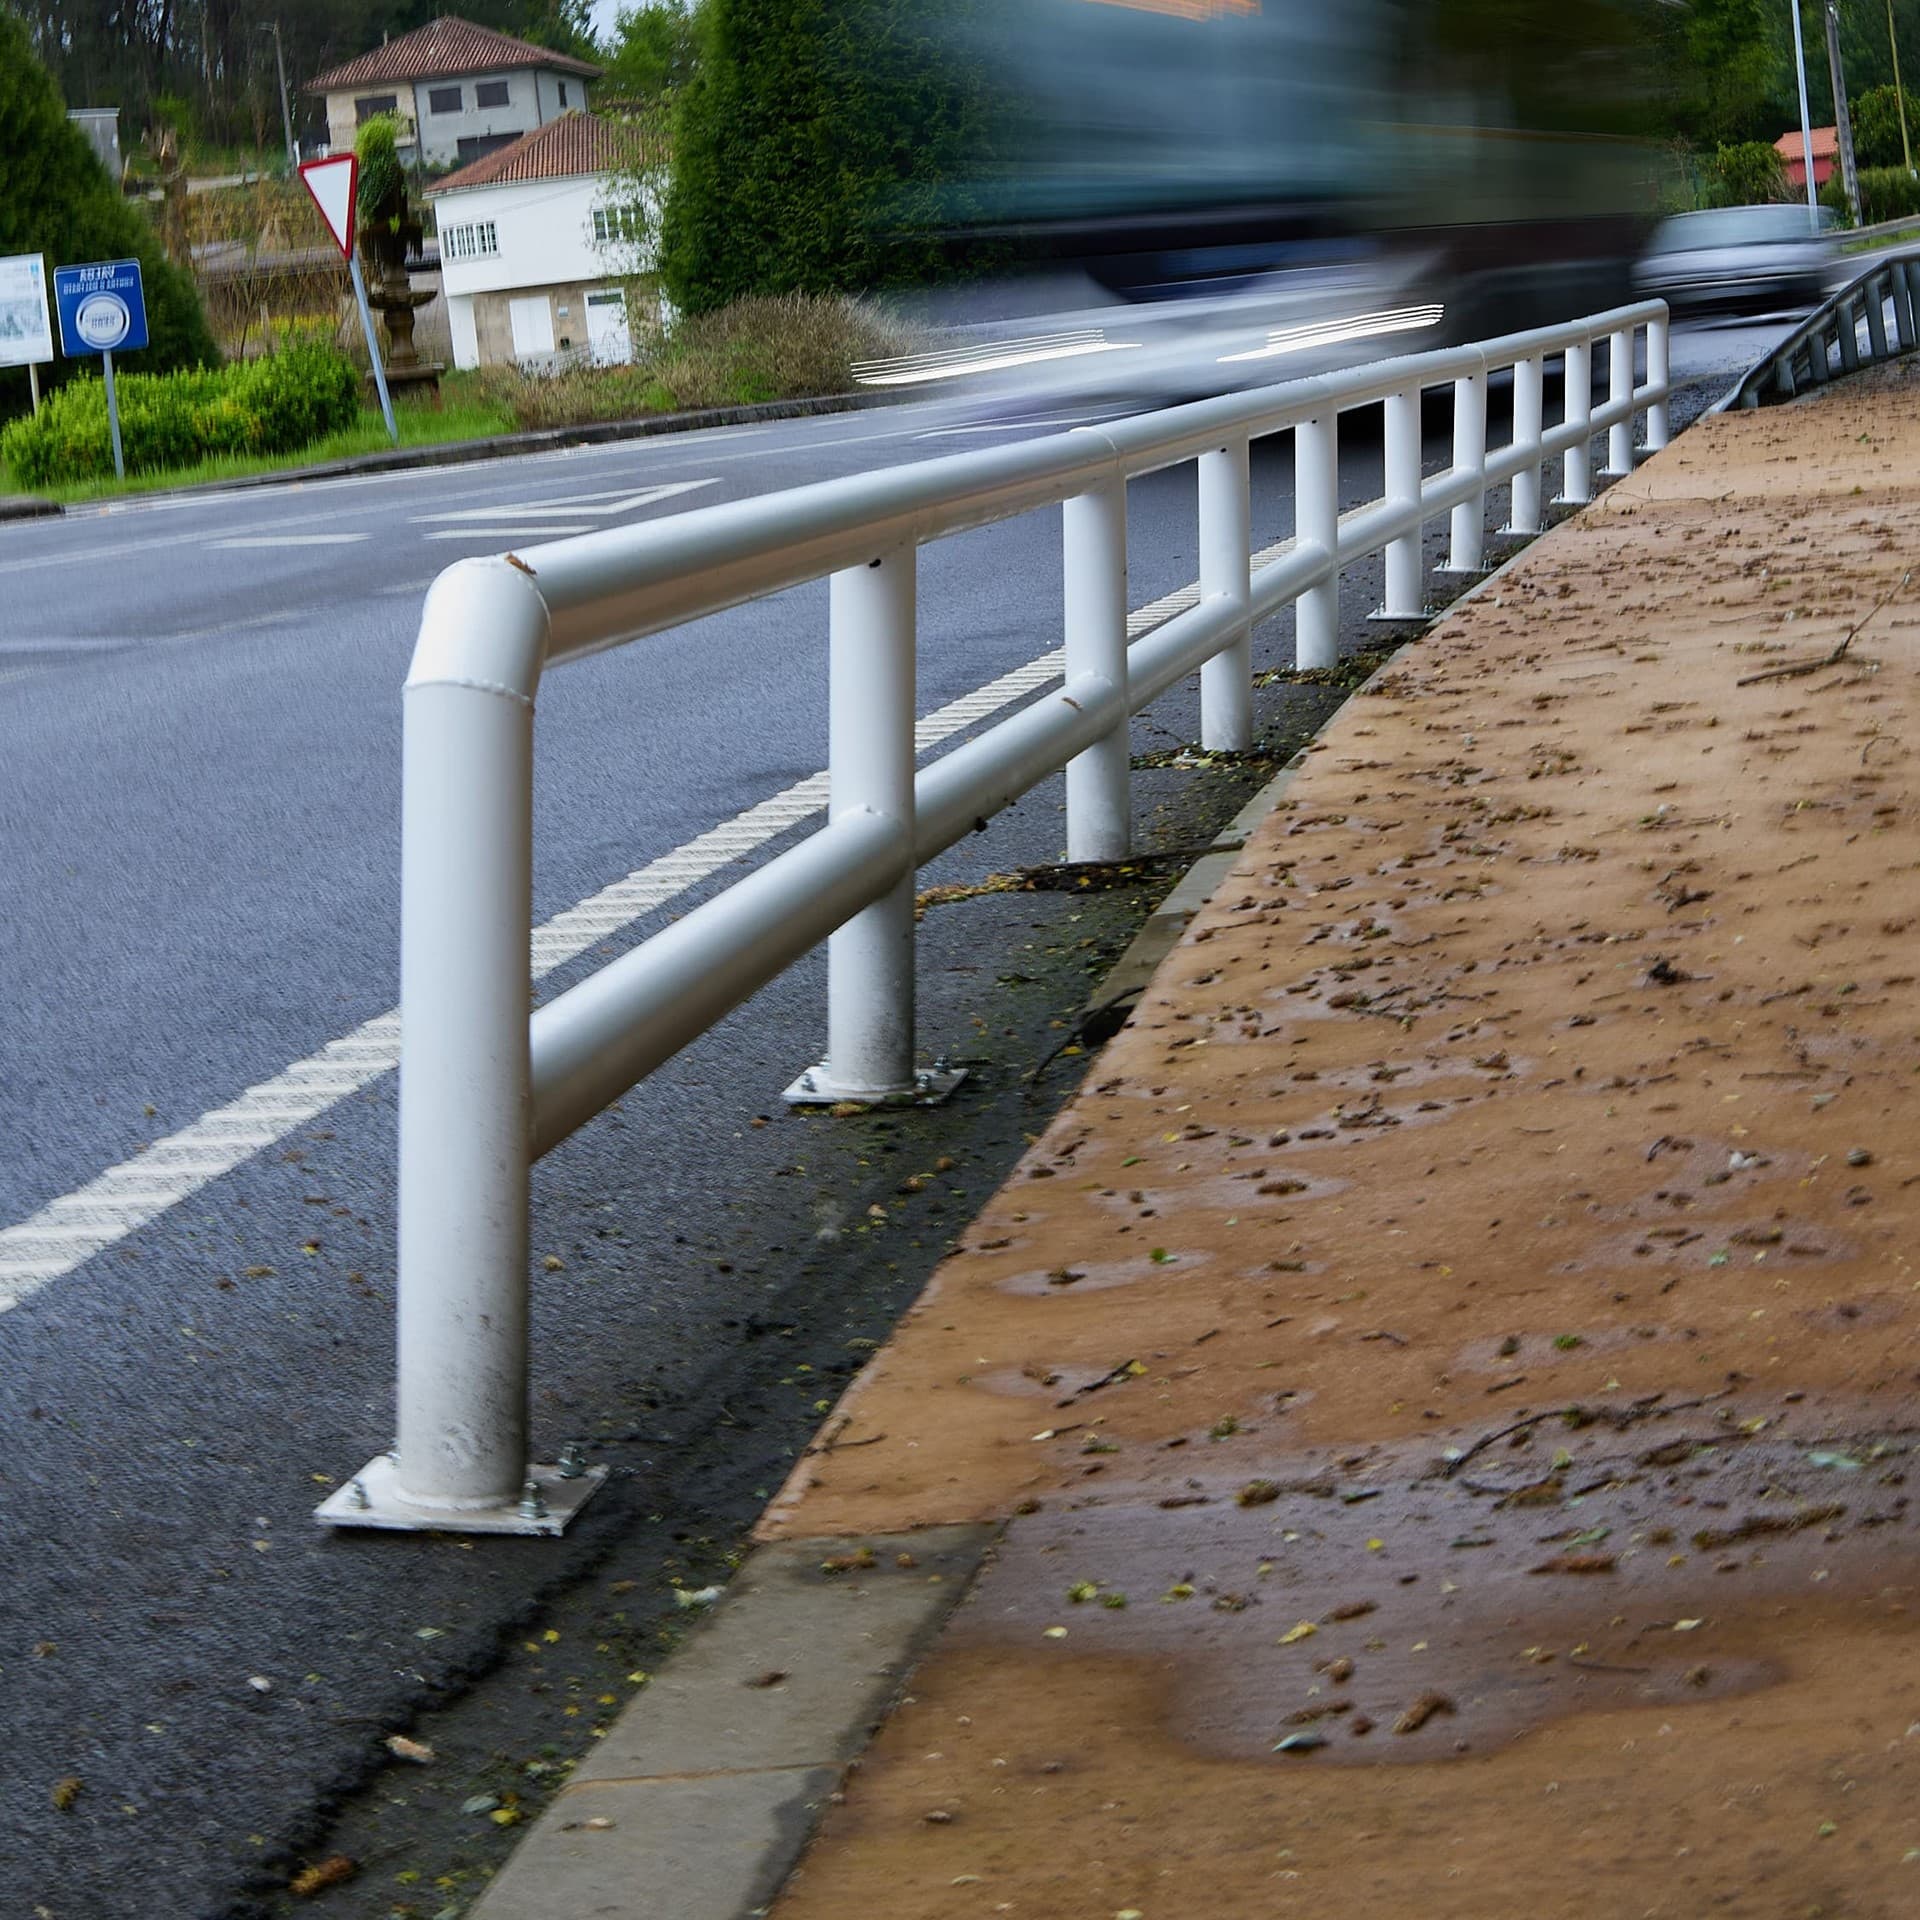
x=484, y=1090
x=1827, y=342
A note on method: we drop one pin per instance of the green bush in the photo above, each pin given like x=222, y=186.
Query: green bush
x=1886, y=193
x=1746, y=174
x=1876, y=127
x=276, y=405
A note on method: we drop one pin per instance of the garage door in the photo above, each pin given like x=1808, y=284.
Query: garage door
x=532, y=318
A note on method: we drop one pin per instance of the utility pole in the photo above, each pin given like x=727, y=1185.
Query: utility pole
x=1806, y=119
x=1899, y=93
x=1842, y=121
x=286, y=112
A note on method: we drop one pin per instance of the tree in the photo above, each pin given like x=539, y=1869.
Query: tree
x=816, y=147
x=1876, y=127
x=56, y=199
x=652, y=55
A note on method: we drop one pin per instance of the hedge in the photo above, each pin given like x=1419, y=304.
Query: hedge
x=1886, y=193
x=276, y=405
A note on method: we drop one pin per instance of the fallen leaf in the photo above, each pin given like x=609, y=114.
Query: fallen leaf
x=1421, y=1711
x=334, y=1871
x=66, y=1792
x=404, y=1749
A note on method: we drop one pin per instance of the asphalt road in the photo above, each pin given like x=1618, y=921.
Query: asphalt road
x=199, y=802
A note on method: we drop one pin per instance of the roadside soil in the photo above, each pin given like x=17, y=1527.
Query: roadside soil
x=1450, y=1375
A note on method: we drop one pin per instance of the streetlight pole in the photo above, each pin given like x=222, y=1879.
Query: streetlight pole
x=1806, y=119
x=1899, y=95
x=286, y=112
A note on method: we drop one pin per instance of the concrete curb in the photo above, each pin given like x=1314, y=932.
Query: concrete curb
x=709, y=1786
x=460, y=453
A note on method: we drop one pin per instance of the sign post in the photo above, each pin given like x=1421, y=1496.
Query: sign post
x=103, y=310
x=334, y=184
x=26, y=334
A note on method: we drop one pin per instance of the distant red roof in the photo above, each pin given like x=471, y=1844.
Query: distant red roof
x=441, y=49
x=576, y=143
x=1826, y=144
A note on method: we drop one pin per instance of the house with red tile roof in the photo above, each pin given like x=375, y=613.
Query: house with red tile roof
x=460, y=92
x=543, y=241
x=1826, y=156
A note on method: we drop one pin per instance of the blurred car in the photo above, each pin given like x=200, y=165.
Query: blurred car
x=1756, y=257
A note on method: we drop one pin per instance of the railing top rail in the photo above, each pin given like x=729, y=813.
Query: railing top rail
x=602, y=590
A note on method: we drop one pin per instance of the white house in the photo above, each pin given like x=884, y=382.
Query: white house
x=459, y=91
x=537, y=239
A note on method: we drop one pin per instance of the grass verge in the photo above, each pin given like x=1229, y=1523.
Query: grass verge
x=460, y=418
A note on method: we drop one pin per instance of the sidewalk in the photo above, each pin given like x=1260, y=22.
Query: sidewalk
x=1432, y=1417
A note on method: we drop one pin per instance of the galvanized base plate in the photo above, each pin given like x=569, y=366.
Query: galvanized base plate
x=1380, y=617
x=373, y=1499
x=931, y=1085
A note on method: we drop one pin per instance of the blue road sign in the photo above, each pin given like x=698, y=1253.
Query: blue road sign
x=102, y=308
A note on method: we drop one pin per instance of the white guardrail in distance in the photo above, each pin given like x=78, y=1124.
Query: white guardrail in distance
x=1883, y=299
x=484, y=1090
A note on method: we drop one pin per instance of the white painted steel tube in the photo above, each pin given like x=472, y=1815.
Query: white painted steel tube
x=1094, y=539
x=1171, y=652
x=870, y=762
x=1226, y=557
x=607, y=1034
x=1902, y=292
x=1529, y=382
x=1576, y=484
x=1401, y=431
x=1620, y=388
x=466, y=865
x=1877, y=317
x=962, y=790
x=1469, y=456
x=1659, y=377
x=1316, y=524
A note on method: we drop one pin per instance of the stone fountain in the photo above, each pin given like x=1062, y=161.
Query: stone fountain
x=390, y=232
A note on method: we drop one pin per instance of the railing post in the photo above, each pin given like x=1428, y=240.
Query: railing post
x=1094, y=539
x=1877, y=316
x=1659, y=375
x=1847, y=324
x=1819, y=367
x=870, y=701
x=1902, y=289
x=1226, y=569
x=1316, y=523
x=1469, y=455
x=1576, y=484
x=466, y=865
x=1619, y=388
x=1403, y=600
x=1529, y=381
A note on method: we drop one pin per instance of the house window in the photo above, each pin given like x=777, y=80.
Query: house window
x=490, y=93
x=444, y=99
x=366, y=107
x=618, y=225
x=563, y=93
x=477, y=146
x=469, y=242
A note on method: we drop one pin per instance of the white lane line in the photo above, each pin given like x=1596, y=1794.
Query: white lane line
x=610, y=501
x=68, y=1231
x=545, y=530
x=238, y=541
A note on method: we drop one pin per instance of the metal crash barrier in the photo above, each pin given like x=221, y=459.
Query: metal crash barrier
x=1880, y=301
x=485, y=1090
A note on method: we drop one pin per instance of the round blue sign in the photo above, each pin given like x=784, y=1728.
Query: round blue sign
x=102, y=320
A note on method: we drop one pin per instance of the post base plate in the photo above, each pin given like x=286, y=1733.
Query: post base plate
x=372, y=1498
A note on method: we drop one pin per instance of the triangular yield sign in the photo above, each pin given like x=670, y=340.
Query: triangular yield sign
x=334, y=184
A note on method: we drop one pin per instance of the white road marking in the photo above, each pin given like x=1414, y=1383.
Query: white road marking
x=545, y=530
x=243, y=540
x=605, y=504
x=71, y=1230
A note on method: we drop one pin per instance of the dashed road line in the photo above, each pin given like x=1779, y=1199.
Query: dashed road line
x=66, y=1232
